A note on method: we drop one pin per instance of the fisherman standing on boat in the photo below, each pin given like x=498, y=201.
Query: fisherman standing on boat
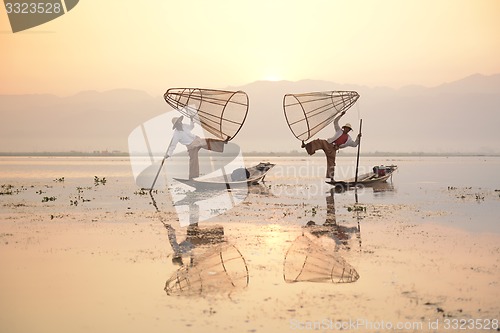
x=182, y=134
x=339, y=140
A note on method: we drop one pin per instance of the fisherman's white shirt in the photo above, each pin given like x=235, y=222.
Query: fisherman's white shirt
x=338, y=132
x=184, y=137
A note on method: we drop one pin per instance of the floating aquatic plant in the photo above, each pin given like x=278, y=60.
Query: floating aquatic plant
x=356, y=208
x=99, y=181
x=79, y=198
x=6, y=189
x=313, y=211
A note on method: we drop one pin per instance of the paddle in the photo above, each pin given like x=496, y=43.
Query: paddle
x=161, y=166
x=357, y=158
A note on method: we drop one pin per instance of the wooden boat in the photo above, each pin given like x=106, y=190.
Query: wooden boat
x=238, y=178
x=379, y=175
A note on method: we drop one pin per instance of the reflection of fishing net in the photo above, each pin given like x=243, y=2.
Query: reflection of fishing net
x=219, y=112
x=220, y=269
x=308, y=261
x=307, y=114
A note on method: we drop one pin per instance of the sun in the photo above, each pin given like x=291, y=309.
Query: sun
x=273, y=77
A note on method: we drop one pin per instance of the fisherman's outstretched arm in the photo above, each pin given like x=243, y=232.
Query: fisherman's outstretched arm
x=336, y=121
x=351, y=143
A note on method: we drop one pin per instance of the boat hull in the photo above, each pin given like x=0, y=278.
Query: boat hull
x=256, y=174
x=367, y=179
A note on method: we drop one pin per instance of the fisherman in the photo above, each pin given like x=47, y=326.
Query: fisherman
x=339, y=140
x=182, y=134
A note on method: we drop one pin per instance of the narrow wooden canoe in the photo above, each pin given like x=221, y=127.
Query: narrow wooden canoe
x=368, y=179
x=240, y=177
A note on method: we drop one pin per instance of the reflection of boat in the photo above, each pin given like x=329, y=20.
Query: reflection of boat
x=196, y=197
x=383, y=187
x=260, y=189
x=379, y=175
x=239, y=177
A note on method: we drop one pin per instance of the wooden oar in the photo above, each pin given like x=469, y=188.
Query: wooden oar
x=161, y=166
x=357, y=158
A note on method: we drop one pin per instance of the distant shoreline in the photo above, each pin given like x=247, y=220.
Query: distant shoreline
x=249, y=154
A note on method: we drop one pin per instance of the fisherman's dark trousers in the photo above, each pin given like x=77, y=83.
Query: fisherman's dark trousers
x=194, y=148
x=330, y=153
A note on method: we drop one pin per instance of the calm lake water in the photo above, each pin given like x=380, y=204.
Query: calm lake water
x=467, y=189
x=84, y=255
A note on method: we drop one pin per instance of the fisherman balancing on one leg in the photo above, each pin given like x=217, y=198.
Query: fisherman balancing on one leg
x=182, y=134
x=339, y=140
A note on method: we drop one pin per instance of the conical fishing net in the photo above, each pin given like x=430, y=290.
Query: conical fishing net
x=308, y=113
x=219, y=112
x=220, y=269
x=311, y=262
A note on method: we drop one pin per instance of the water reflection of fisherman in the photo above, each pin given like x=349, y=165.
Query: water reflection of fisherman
x=338, y=233
x=195, y=237
x=182, y=134
x=339, y=140
x=217, y=266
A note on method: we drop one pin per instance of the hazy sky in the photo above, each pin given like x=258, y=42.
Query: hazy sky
x=156, y=44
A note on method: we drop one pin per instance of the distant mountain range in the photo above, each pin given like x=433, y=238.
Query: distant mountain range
x=460, y=116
